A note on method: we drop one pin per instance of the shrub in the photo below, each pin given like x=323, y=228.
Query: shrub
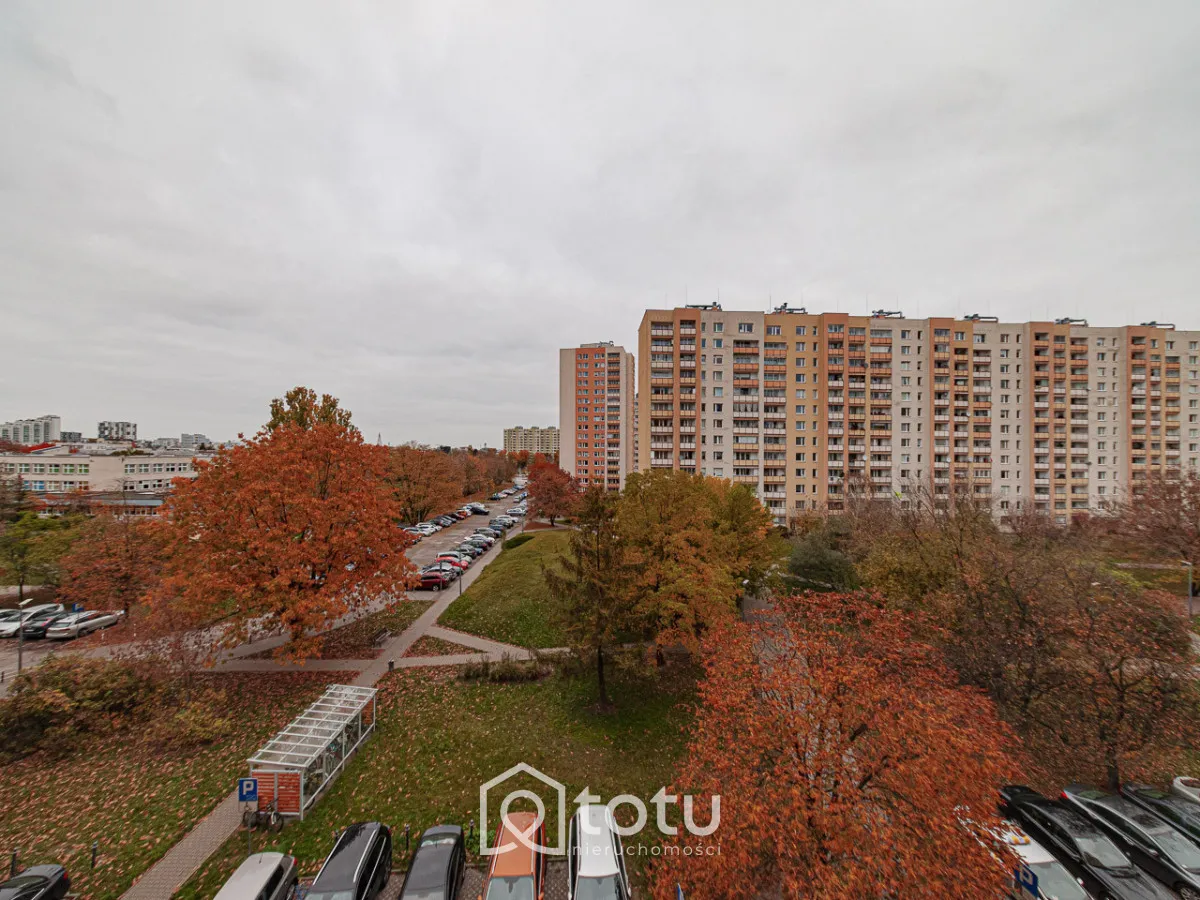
x=506, y=670
x=52, y=705
x=517, y=541
x=195, y=724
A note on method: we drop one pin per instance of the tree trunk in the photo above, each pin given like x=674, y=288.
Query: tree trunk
x=600, y=676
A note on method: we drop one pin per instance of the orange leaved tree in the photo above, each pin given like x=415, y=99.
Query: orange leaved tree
x=424, y=482
x=292, y=528
x=848, y=761
x=552, y=492
x=114, y=561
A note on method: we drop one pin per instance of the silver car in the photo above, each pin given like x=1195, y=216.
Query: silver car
x=12, y=620
x=80, y=623
x=263, y=876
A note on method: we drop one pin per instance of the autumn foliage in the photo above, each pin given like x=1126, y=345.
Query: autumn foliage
x=847, y=759
x=552, y=492
x=114, y=561
x=293, y=528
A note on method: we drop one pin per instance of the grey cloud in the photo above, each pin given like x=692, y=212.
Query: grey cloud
x=413, y=205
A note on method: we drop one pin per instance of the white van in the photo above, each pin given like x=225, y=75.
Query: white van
x=263, y=876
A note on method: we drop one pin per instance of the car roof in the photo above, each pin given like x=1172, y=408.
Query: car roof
x=343, y=861
x=519, y=858
x=1029, y=850
x=431, y=863
x=1122, y=806
x=250, y=876
x=598, y=851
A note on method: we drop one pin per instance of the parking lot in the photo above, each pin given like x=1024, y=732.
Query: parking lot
x=423, y=553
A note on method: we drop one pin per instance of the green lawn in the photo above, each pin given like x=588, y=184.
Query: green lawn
x=137, y=799
x=509, y=602
x=440, y=738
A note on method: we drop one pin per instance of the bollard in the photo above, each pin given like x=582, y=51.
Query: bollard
x=12, y=868
x=95, y=847
x=471, y=832
x=406, y=830
x=391, y=665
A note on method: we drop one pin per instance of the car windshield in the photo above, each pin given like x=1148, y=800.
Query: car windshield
x=1180, y=850
x=597, y=888
x=1100, y=851
x=518, y=888
x=1055, y=881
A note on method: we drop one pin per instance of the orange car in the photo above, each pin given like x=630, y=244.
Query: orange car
x=519, y=871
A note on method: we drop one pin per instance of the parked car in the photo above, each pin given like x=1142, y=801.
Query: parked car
x=358, y=867
x=1085, y=850
x=437, y=865
x=448, y=569
x=77, y=624
x=263, y=876
x=489, y=531
x=434, y=580
x=18, y=617
x=1171, y=808
x=482, y=541
x=454, y=558
x=517, y=869
x=471, y=549
x=444, y=521
x=36, y=626
x=595, y=860
x=515, y=511
x=1157, y=848
x=48, y=882
x=477, y=506
x=1187, y=788
x=428, y=528
x=496, y=496
x=1054, y=882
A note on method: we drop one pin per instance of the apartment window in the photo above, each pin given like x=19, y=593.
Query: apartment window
x=774, y=329
x=801, y=330
x=981, y=338
x=905, y=334
x=718, y=392
x=960, y=336
x=745, y=327
x=718, y=327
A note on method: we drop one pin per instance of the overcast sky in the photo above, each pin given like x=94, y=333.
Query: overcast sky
x=412, y=206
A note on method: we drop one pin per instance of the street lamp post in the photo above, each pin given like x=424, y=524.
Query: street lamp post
x=21, y=636
x=1189, y=568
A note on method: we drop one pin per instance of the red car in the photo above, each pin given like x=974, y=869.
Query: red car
x=454, y=559
x=434, y=580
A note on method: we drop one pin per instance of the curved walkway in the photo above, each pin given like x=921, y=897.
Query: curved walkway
x=166, y=876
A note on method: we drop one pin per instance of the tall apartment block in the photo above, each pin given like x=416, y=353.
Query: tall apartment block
x=41, y=430
x=1057, y=417
x=596, y=413
x=534, y=439
x=117, y=431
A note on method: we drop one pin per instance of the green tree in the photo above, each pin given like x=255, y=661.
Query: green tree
x=14, y=499
x=30, y=549
x=817, y=561
x=300, y=406
x=592, y=582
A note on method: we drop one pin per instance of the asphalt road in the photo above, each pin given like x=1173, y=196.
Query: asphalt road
x=424, y=552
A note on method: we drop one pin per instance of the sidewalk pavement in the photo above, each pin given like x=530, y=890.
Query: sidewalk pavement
x=175, y=867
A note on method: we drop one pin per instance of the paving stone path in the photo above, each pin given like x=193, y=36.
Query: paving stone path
x=167, y=875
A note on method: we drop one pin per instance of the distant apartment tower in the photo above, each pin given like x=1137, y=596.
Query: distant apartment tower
x=596, y=413
x=192, y=441
x=1056, y=417
x=72, y=437
x=534, y=439
x=28, y=432
x=117, y=431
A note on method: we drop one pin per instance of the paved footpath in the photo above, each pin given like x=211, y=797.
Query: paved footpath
x=179, y=863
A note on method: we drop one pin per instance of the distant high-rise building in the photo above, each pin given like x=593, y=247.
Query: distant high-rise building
x=28, y=432
x=596, y=413
x=1054, y=417
x=72, y=437
x=534, y=439
x=117, y=431
x=191, y=441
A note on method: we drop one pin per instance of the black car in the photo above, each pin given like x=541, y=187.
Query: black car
x=1155, y=846
x=437, y=865
x=35, y=627
x=475, y=550
x=37, y=883
x=1171, y=808
x=444, y=521
x=1080, y=846
x=491, y=532
x=358, y=866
